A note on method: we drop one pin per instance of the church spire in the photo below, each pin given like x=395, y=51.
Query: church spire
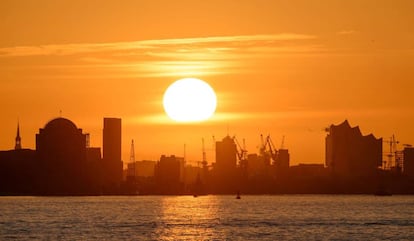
x=18, y=145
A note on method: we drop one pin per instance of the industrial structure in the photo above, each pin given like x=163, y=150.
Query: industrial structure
x=131, y=170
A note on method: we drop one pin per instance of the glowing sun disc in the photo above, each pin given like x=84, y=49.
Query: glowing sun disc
x=189, y=100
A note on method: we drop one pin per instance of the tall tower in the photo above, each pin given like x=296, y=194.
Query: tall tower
x=132, y=164
x=112, y=150
x=18, y=144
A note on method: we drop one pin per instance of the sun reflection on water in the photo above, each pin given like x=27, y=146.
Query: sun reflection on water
x=188, y=217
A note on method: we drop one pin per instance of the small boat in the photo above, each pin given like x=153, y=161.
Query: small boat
x=238, y=195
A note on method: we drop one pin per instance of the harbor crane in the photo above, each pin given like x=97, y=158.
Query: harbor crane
x=393, y=149
x=204, y=161
x=240, y=150
x=272, y=149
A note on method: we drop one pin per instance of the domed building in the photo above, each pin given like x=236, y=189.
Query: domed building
x=61, y=150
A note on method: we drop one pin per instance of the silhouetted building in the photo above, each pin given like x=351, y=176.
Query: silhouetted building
x=191, y=174
x=131, y=171
x=143, y=168
x=409, y=161
x=226, y=156
x=18, y=172
x=94, y=168
x=18, y=144
x=226, y=176
x=283, y=159
x=349, y=153
x=112, y=162
x=307, y=171
x=61, y=150
x=93, y=154
x=64, y=164
x=169, y=174
x=258, y=165
x=282, y=162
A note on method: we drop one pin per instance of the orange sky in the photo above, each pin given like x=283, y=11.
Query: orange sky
x=279, y=67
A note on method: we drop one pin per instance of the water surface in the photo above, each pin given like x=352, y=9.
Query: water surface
x=284, y=217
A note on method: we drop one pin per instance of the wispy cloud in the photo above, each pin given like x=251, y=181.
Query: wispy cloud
x=346, y=32
x=71, y=49
x=166, y=57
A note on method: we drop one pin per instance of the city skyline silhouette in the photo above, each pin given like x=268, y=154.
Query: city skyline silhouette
x=207, y=120
x=64, y=163
x=281, y=69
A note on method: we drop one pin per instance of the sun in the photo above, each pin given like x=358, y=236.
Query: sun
x=190, y=100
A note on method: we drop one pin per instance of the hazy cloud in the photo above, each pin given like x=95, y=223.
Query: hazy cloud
x=166, y=57
x=346, y=32
x=70, y=49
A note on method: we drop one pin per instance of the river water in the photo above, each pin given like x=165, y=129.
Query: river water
x=284, y=217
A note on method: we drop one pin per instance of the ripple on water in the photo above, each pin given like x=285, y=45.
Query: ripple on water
x=286, y=217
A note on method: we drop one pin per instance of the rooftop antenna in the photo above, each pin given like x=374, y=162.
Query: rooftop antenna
x=132, y=157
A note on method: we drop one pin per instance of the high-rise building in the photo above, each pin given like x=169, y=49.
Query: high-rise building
x=226, y=155
x=112, y=161
x=225, y=178
x=349, y=153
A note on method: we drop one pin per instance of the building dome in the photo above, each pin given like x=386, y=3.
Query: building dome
x=60, y=124
x=61, y=150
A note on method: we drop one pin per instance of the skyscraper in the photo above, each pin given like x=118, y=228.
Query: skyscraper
x=112, y=163
x=225, y=169
x=226, y=155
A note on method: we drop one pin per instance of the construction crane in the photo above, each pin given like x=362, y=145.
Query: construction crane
x=393, y=149
x=272, y=149
x=241, y=151
x=262, y=146
x=204, y=162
